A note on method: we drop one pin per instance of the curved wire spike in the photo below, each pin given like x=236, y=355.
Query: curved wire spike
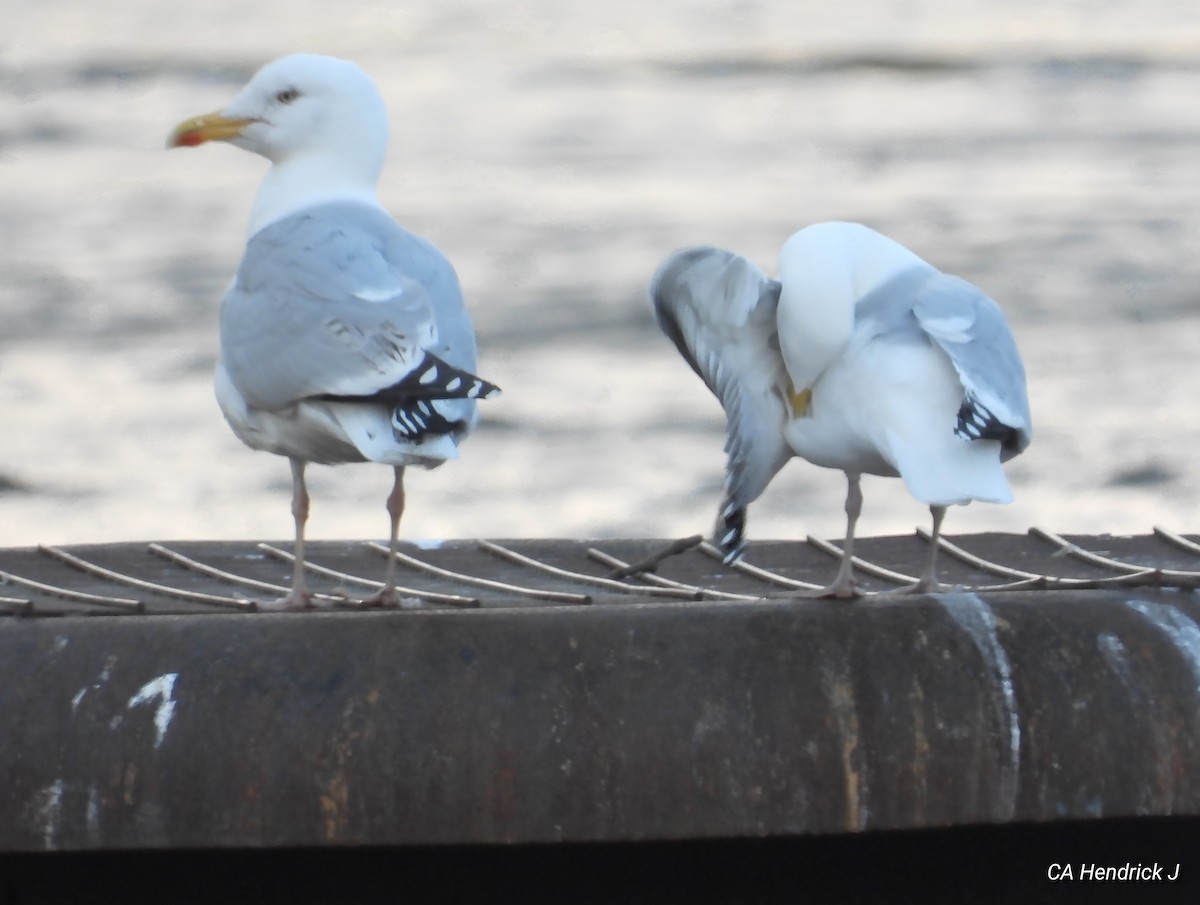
x=758, y=572
x=861, y=564
x=698, y=592
x=979, y=562
x=1177, y=539
x=1035, y=580
x=517, y=590
x=212, y=571
x=229, y=577
x=1070, y=549
x=1147, y=577
x=350, y=578
x=120, y=603
x=1151, y=577
x=654, y=560
x=583, y=578
x=17, y=604
x=1108, y=562
x=1024, y=584
x=91, y=568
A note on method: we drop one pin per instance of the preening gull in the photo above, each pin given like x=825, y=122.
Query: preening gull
x=860, y=357
x=344, y=338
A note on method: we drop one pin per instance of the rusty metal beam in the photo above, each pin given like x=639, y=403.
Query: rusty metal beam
x=653, y=720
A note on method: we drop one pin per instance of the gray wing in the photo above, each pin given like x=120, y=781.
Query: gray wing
x=420, y=259
x=339, y=301
x=719, y=310
x=971, y=329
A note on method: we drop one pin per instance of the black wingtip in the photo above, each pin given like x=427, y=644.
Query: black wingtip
x=433, y=378
x=486, y=390
x=977, y=422
x=437, y=379
x=729, y=535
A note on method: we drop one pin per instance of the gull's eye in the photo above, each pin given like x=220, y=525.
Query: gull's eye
x=287, y=95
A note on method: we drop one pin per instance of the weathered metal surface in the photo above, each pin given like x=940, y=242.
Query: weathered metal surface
x=628, y=719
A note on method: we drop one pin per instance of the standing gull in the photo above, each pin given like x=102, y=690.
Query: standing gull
x=861, y=357
x=344, y=338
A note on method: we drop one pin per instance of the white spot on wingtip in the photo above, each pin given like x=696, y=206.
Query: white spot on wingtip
x=379, y=293
x=161, y=688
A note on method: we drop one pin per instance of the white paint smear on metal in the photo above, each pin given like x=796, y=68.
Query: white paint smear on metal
x=979, y=622
x=160, y=689
x=1180, y=628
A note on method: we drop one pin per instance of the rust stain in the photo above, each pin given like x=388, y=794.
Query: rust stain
x=841, y=697
x=334, y=803
x=334, y=799
x=853, y=780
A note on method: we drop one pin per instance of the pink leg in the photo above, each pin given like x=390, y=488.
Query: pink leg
x=928, y=582
x=299, y=597
x=843, y=586
x=395, y=509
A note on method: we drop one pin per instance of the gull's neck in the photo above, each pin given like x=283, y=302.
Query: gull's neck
x=815, y=319
x=305, y=181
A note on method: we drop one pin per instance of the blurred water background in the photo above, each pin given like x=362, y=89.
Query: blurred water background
x=556, y=151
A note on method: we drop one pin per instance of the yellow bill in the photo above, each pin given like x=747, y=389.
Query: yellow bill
x=207, y=127
x=801, y=403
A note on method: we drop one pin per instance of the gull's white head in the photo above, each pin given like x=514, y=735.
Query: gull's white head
x=835, y=264
x=824, y=271
x=319, y=120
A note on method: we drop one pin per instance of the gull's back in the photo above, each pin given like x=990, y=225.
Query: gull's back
x=339, y=300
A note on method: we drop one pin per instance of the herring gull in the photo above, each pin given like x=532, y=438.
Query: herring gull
x=343, y=337
x=860, y=357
